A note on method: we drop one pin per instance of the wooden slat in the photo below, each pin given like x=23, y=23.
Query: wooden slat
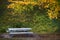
x=21, y=29
x=21, y=33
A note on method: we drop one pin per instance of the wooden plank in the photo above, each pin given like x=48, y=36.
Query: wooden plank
x=21, y=33
x=19, y=29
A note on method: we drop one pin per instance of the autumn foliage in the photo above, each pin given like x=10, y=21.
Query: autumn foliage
x=40, y=15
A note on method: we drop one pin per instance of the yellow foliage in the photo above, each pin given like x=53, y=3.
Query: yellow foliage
x=44, y=0
x=51, y=14
x=11, y=5
x=52, y=1
x=9, y=0
x=46, y=6
x=22, y=3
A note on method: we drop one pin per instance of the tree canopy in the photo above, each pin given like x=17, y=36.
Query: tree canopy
x=41, y=15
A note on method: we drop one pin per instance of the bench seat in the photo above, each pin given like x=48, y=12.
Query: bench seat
x=21, y=33
x=18, y=29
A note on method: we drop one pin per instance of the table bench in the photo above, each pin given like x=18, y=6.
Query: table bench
x=19, y=31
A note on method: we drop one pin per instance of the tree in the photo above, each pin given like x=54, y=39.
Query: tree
x=39, y=15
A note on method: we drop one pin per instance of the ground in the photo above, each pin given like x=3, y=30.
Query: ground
x=35, y=37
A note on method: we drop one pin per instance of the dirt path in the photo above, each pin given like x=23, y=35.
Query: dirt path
x=36, y=37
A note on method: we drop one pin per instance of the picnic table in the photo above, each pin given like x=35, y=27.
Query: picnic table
x=19, y=31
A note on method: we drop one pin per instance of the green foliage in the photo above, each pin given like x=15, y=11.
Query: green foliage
x=34, y=16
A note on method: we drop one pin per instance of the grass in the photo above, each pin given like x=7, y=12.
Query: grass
x=17, y=38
